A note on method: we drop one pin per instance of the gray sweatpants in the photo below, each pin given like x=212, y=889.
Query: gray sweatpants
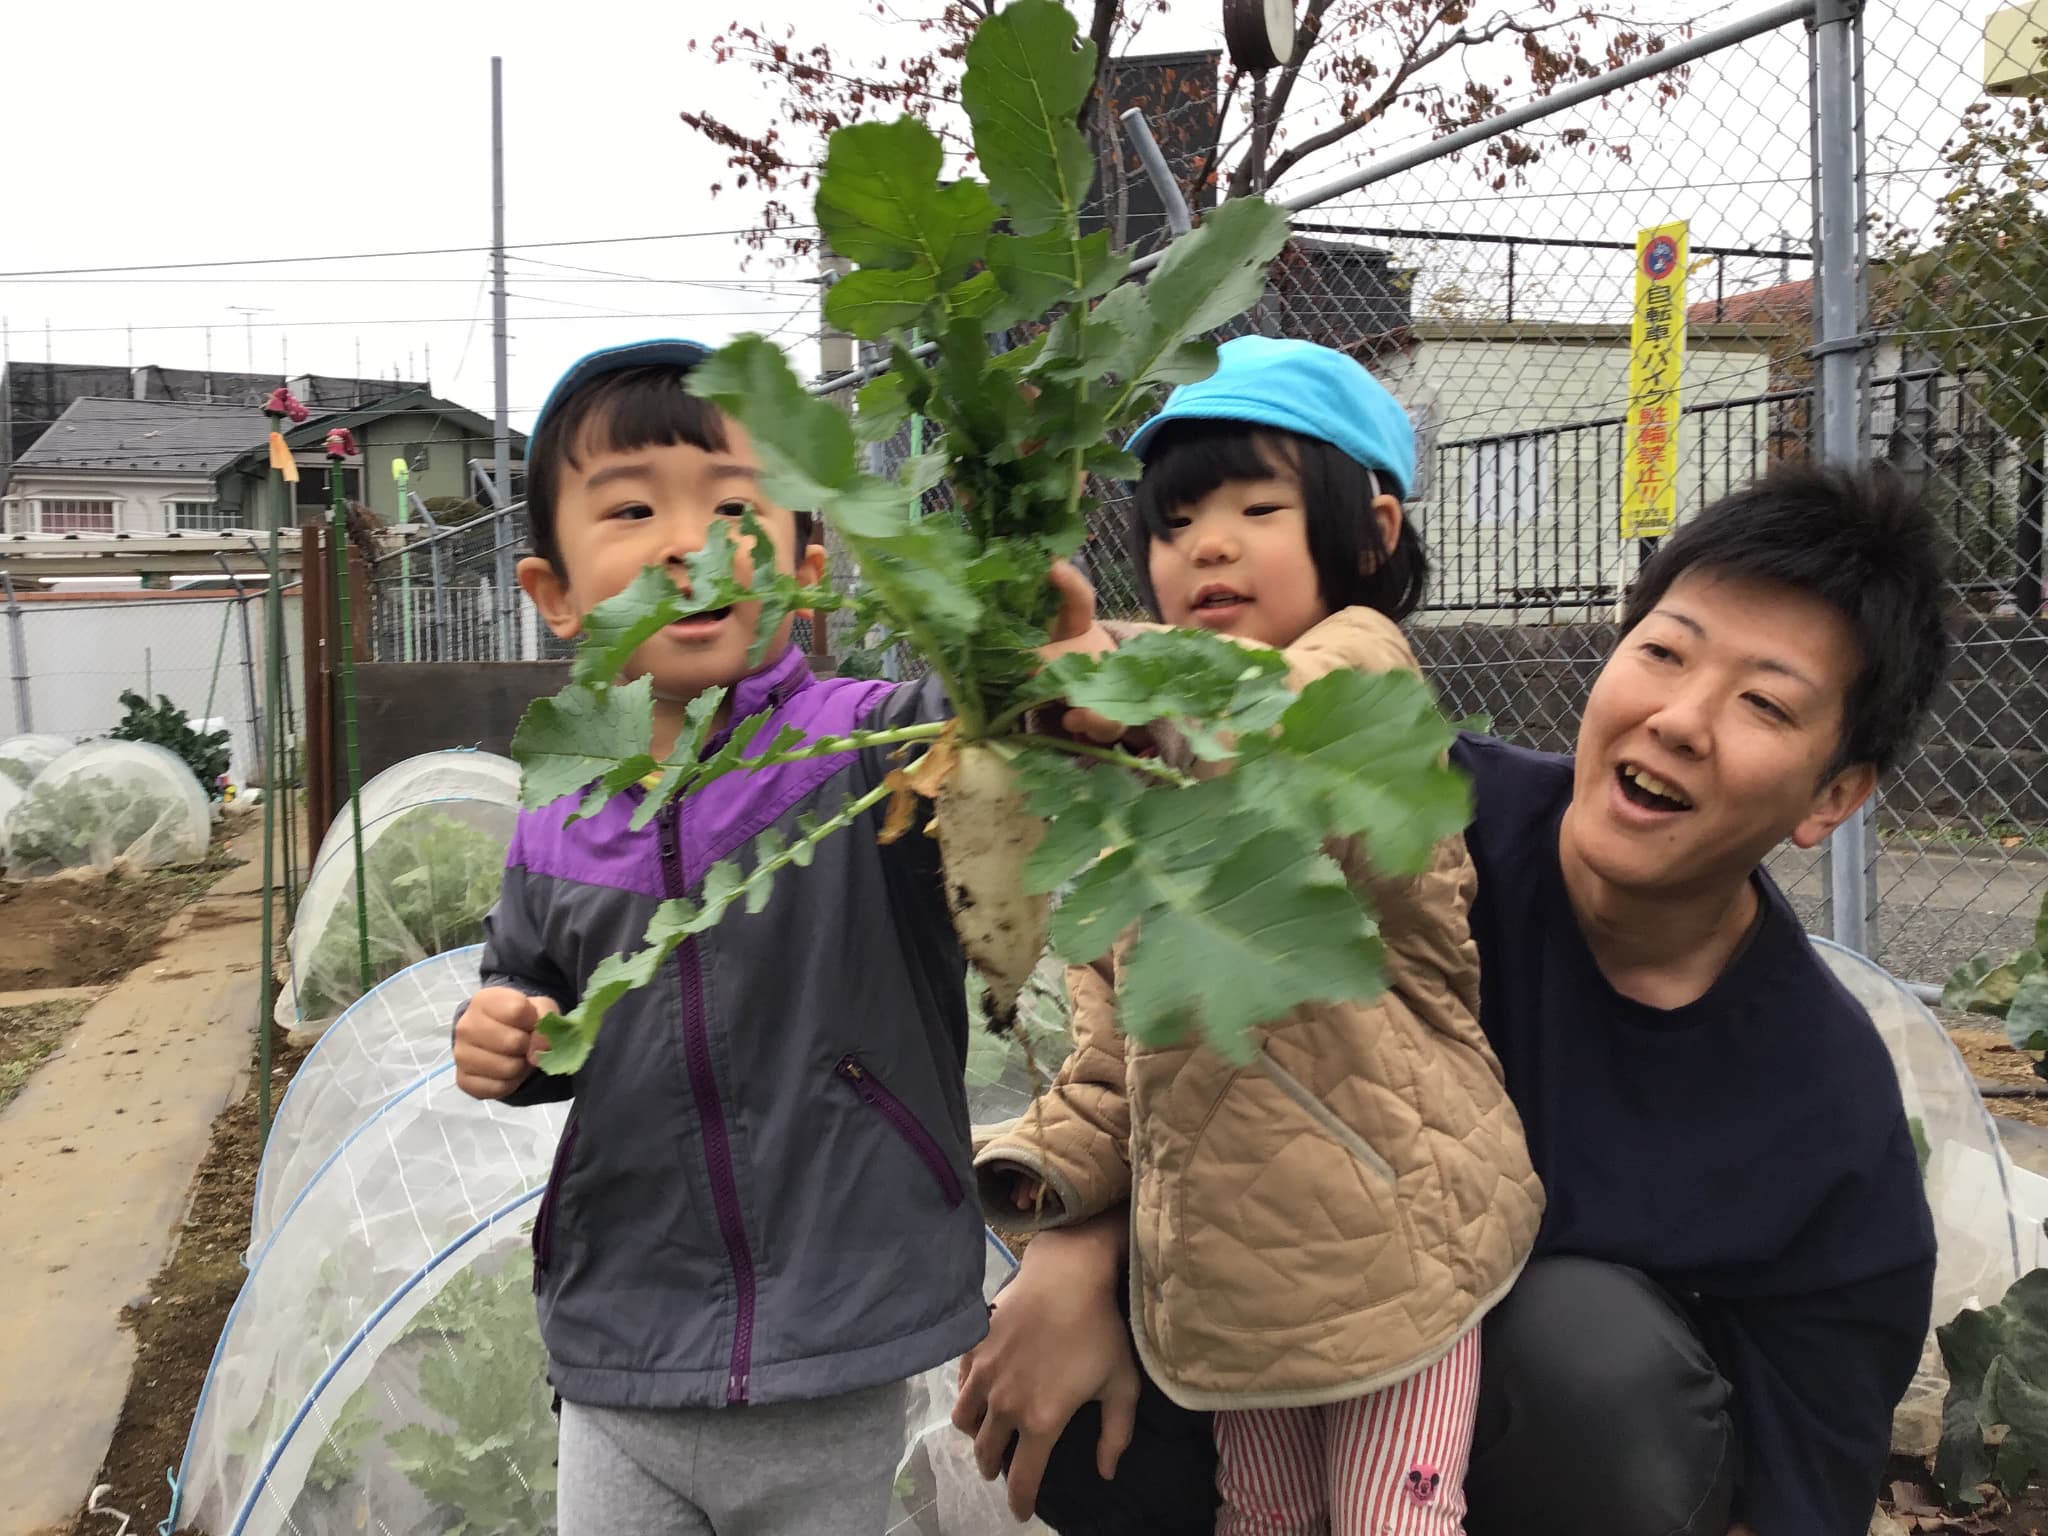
x=822, y=1468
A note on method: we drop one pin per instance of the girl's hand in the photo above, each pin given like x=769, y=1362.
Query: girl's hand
x=1075, y=629
x=1022, y=1191
x=1055, y=1341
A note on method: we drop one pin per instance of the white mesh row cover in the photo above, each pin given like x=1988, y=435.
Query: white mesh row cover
x=23, y=757
x=382, y=1369
x=1969, y=1180
x=1000, y=1082
x=456, y=774
x=432, y=1184
x=109, y=803
x=432, y=872
x=383, y=1042
x=10, y=797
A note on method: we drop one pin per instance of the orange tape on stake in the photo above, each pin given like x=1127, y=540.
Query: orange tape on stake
x=281, y=459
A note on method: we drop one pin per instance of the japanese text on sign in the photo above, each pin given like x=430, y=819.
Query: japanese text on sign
x=1649, y=493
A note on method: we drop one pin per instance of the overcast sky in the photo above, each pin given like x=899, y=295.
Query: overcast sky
x=144, y=133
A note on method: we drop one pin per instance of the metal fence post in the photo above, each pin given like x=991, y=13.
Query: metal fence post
x=1840, y=353
x=248, y=666
x=437, y=561
x=17, y=644
x=504, y=599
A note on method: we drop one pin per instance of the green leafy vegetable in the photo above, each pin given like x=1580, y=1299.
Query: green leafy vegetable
x=165, y=725
x=87, y=820
x=1224, y=867
x=431, y=877
x=2014, y=989
x=1994, y=1423
x=491, y=1470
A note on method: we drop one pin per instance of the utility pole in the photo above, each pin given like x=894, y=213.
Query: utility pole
x=501, y=446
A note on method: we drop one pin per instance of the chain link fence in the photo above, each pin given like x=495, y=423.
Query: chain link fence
x=71, y=658
x=1495, y=298
x=447, y=596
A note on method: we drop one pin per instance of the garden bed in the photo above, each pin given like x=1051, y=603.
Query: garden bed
x=178, y=1325
x=81, y=931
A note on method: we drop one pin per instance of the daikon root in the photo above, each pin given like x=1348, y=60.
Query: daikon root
x=985, y=836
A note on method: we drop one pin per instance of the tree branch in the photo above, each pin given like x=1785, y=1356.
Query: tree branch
x=1410, y=67
x=1101, y=32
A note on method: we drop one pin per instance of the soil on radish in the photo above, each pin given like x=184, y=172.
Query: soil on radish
x=178, y=1320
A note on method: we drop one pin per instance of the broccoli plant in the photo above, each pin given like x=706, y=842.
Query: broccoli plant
x=165, y=725
x=431, y=877
x=2014, y=989
x=1238, y=912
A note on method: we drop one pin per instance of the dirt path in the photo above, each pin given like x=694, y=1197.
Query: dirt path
x=180, y=1321
x=97, y=1154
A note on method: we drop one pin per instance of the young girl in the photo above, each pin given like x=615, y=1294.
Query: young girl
x=1315, y=1238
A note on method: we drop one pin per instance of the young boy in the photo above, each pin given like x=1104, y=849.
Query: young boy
x=756, y=1228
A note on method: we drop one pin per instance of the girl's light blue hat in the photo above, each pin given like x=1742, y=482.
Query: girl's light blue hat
x=1299, y=387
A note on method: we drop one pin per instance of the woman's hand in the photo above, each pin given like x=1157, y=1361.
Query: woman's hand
x=1055, y=1341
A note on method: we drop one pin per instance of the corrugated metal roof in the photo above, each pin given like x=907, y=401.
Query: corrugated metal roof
x=145, y=437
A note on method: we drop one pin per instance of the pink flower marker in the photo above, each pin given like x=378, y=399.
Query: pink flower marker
x=281, y=403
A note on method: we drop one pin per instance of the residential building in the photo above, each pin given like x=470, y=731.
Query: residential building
x=161, y=466
x=129, y=466
x=436, y=438
x=34, y=395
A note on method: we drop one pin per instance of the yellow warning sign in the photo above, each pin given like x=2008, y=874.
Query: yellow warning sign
x=1649, y=491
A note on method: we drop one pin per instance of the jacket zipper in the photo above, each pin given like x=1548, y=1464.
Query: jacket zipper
x=725, y=1195
x=544, y=1219
x=905, y=1124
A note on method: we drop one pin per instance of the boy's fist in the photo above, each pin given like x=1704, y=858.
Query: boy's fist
x=496, y=1046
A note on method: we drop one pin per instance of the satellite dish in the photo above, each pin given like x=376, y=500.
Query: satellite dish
x=1259, y=33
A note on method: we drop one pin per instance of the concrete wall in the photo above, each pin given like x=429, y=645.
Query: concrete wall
x=1543, y=515
x=79, y=654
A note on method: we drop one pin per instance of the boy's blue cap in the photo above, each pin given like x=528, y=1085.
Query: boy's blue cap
x=1304, y=388
x=670, y=350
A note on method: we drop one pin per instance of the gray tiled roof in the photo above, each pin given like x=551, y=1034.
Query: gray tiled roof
x=145, y=436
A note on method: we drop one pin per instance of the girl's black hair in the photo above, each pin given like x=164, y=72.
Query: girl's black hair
x=1354, y=568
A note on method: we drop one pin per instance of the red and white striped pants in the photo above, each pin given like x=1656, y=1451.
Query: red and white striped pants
x=1392, y=1464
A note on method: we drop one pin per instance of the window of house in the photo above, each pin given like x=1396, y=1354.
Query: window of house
x=200, y=517
x=76, y=515
x=312, y=491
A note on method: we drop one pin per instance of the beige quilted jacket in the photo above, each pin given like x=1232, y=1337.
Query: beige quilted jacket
x=1333, y=1218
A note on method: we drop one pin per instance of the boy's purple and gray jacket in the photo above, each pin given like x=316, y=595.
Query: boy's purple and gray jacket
x=760, y=1195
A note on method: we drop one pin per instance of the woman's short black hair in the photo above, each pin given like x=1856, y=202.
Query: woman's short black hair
x=1354, y=568
x=1860, y=541
x=617, y=412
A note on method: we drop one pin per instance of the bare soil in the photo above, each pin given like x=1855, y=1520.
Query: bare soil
x=180, y=1321
x=1914, y=1506
x=67, y=931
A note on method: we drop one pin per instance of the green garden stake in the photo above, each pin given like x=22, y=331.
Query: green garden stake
x=341, y=444
x=279, y=408
x=401, y=475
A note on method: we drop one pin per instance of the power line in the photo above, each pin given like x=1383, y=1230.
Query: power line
x=445, y=250
x=270, y=325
